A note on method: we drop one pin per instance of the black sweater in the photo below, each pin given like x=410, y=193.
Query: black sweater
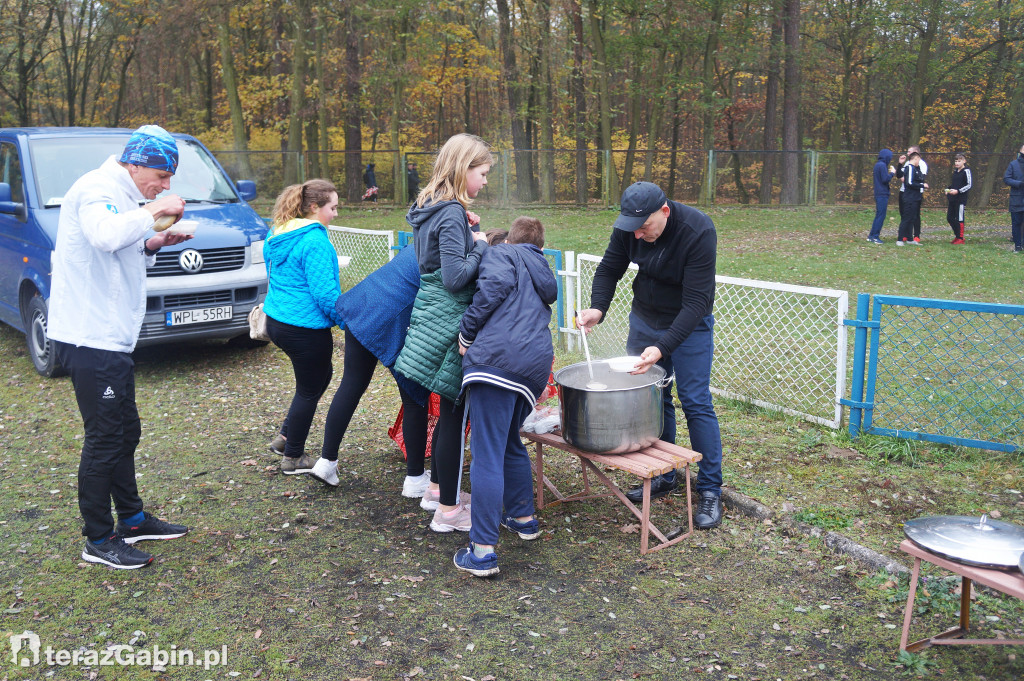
x=675, y=286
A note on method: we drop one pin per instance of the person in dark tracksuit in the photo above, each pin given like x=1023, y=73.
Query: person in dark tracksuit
x=922, y=171
x=913, y=185
x=507, y=353
x=1014, y=179
x=956, y=197
x=883, y=174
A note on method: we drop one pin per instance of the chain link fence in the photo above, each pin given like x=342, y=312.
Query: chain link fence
x=778, y=346
x=947, y=371
x=367, y=250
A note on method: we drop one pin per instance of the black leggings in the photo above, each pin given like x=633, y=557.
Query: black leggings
x=446, y=456
x=360, y=364
x=310, y=351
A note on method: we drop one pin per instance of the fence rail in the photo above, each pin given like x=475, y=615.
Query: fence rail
x=596, y=177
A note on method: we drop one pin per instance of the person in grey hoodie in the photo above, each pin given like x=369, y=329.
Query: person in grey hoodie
x=883, y=174
x=1014, y=179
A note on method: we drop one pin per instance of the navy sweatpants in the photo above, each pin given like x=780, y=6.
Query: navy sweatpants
x=500, y=472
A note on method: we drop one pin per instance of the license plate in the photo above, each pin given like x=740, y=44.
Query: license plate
x=199, y=315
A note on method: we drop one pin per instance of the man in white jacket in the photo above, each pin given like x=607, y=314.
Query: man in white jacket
x=97, y=302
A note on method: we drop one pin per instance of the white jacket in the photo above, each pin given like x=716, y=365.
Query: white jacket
x=98, y=289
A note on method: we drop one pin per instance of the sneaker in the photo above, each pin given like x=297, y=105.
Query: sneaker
x=458, y=520
x=325, y=471
x=116, y=553
x=709, y=510
x=277, y=444
x=901, y=242
x=659, y=488
x=916, y=241
x=466, y=560
x=151, y=527
x=876, y=241
x=416, y=485
x=528, y=530
x=292, y=466
x=957, y=242
x=432, y=498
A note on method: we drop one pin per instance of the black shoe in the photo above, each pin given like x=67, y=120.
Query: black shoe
x=659, y=488
x=151, y=527
x=709, y=510
x=117, y=554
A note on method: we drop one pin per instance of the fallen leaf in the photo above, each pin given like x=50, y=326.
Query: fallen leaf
x=630, y=528
x=259, y=632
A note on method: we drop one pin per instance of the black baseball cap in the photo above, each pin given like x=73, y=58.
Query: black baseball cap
x=638, y=202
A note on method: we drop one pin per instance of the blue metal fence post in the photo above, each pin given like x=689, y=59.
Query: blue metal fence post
x=860, y=345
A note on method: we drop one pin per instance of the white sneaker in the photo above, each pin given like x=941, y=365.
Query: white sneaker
x=416, y=485
x=432, y=499
x=326, y=471
x=458, y=519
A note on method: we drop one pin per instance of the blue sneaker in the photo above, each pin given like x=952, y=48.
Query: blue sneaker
x=478, y=567
x=528, y=530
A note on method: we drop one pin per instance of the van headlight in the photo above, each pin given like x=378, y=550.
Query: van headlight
x=257, y=252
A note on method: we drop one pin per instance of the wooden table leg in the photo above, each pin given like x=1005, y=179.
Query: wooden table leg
x=645, y=517
x=539, y=468
x=965, y=603
x=909, y=612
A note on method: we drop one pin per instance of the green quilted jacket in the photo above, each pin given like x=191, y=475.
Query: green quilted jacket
x=431, y=352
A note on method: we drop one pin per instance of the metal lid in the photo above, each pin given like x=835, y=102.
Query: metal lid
x=969, y=539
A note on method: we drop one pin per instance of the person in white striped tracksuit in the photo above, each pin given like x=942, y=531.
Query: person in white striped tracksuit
x=956, y=197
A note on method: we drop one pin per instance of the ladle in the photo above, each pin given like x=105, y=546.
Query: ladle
x=592, y=385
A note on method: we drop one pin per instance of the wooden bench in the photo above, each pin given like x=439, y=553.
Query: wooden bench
x=661, y=457
x=1007, y=582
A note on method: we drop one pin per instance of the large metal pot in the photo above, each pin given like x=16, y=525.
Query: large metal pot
x=622, y=415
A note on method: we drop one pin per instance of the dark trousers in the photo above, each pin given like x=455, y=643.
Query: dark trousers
x=104, y=383
x=955, y=214
x=310, y=351
x=691, y=363
x=446, y=456
x=1017, y=229
x=501, y=474
x=911, y=220
x=359, y=365
x=881, y=206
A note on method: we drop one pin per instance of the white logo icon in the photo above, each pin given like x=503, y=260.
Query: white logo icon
x=24, y=649
x=191, y=261
x=108, y=394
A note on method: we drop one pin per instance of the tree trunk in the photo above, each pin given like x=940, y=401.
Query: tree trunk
x=227, y=67
x=635, y=112
x=604, y=96
x=791, y=106
x=1009, y=125
x=769, y=142
x=708, y=106
x=516, y=96
x=297, y=93
x=353, y=112
x=580, y=103
x=924, y=56
x=544, y=117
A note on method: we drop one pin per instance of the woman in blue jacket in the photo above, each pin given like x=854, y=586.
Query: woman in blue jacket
x=302, y=267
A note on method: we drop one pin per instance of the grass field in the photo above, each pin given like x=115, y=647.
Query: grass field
x=301, y=581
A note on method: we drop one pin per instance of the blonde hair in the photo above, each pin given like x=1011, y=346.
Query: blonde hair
x=448, y=178
x=297, y=200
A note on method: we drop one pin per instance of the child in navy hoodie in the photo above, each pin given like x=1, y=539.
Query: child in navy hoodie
x=507, y=353
x=883, y=173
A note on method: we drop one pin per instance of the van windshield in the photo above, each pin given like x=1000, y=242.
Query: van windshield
x=59, y=161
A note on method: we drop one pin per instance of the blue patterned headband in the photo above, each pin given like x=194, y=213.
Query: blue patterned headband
x=152, y=147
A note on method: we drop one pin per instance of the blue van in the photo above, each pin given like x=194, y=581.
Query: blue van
x=200, y=289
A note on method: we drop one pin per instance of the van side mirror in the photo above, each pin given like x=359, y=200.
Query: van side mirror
x=8, y=206
x=246, y=189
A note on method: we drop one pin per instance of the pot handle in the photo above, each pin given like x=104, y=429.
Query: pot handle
x=666, y=381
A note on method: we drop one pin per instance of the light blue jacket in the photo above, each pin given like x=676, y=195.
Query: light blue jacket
x=302, y=267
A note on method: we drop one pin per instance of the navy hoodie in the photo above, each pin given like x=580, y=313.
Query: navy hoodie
x=882, y=174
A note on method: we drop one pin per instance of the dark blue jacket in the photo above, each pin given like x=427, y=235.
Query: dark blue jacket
x=376, y=311
x=506, y=326
x=882, y=174
x=1014, y=179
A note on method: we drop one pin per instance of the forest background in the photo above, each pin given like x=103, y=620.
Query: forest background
x=652, y=79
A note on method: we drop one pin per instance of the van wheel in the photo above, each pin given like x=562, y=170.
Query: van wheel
x=244, y=342
x=40, y=349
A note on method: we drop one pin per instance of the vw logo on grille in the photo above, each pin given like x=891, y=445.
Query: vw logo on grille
x=191, y=261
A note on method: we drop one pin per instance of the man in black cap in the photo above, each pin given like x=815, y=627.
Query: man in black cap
x=670, y=323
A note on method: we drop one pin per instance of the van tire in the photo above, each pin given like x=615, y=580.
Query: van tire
x=40, y=348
